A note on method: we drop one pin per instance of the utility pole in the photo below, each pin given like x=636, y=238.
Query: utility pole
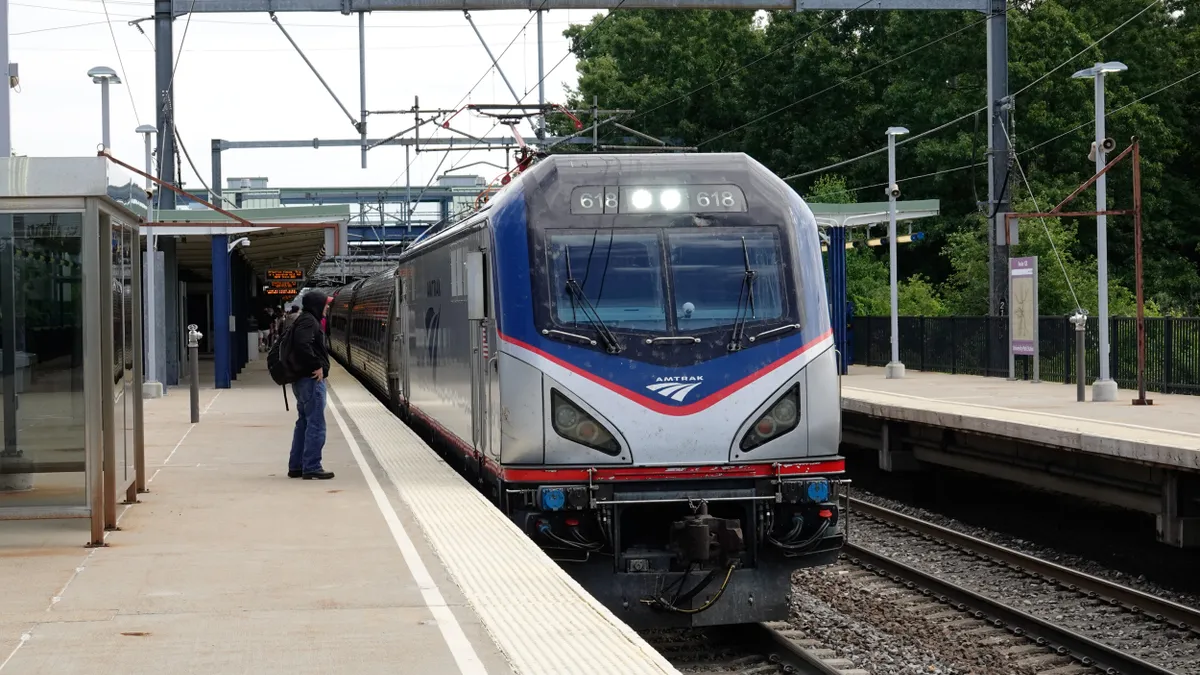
x=164, y=43
x=998, y=157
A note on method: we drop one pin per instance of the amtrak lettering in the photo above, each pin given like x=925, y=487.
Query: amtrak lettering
x=676, y=387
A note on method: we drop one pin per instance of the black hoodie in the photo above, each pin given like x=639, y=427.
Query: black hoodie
x=308, y=342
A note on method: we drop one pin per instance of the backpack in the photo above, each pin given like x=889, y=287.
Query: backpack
x=278, y=362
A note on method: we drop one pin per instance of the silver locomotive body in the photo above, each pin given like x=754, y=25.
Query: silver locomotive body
x=633, y=355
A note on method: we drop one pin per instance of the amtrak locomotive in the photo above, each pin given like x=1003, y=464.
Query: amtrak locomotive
x=633, y=356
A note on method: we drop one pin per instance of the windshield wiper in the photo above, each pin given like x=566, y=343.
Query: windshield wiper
x=610, y=340
x=745, y=292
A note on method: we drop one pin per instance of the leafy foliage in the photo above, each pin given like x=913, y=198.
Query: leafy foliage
x=802, y=90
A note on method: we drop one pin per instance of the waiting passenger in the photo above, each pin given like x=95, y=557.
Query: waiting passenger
x=308, y=357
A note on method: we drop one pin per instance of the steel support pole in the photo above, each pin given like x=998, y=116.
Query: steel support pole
x=1080, y=358
x=998, y=151
x=5, y=90
x=105, y=133
x=193, y=344
x=895, y=369
x=152, y=387
x=220, y=311
x=541, y=79
x=216, y=175
x=1105, y=389
x=362, y=82
x=164, y=44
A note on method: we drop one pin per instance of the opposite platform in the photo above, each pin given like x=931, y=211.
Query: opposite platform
x=227, y=566
x=1165, y=434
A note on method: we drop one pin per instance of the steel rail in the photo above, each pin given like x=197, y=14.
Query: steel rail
x=1062, y=641
x=782, y=649
x=1181, y=617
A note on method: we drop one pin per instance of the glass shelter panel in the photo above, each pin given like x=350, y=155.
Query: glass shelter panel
x=41, y=360
x=123, y=243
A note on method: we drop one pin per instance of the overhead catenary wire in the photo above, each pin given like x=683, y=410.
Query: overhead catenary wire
x=1022, y=90
x=1046, y=228
x=1086, y=49
x=121, y=64
x=846, y=80
x=741, y=68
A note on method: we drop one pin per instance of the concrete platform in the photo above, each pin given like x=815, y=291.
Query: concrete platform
x=1166, y=433
x=1144, y=458
x=228, y=566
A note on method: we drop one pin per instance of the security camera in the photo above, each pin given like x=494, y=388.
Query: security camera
x=893, y=190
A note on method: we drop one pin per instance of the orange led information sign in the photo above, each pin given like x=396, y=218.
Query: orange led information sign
x=285, y=274
x=281, y=291
x=289, y=285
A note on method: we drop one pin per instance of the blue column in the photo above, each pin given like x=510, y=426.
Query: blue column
x=837, y=291
x=220, y=299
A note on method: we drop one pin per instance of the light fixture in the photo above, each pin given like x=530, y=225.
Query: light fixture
x=641, y=199
x=101, y=74
x=670, y=199
x=1108, y=67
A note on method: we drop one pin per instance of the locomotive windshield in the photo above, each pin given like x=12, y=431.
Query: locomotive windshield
x=666, y=280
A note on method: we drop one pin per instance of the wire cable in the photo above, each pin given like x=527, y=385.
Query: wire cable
x=121, y=63
x=1083, y=51
x=1045, y=227
x=847, y=80
x=769, y=54
x=582, y=39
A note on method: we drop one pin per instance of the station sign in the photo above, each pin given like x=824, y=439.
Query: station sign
x=285, y=275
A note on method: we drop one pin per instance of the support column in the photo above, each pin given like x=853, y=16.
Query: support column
x=893, y=456
x=1177, y=525
x=171, y=309
x=998, y=156
x=221, y=311
x=837, y=293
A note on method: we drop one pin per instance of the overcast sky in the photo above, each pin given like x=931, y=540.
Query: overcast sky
x=239, y=79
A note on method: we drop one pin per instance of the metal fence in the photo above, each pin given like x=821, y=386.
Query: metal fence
x=976, y=345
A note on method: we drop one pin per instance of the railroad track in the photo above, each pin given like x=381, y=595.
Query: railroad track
x=747, y=649
x=1014, y=592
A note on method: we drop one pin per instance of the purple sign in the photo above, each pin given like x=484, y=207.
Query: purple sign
x=1023, y=314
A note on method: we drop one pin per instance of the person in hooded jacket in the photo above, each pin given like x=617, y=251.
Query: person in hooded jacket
x=309, y=358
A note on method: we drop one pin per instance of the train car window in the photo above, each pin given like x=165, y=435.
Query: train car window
x=619, y=272
x=708, y=275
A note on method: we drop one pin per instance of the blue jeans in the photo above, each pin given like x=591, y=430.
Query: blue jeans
x=309, y=437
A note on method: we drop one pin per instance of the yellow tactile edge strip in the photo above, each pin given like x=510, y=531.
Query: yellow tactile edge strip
x=539, y=617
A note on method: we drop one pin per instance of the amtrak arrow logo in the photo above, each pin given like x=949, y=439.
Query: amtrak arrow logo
x=675, y=388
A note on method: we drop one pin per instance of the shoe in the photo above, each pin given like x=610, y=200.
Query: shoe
x=320, y=475
x=295, y=474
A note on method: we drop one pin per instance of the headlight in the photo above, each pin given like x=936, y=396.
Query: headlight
x=779, y=419
x=573, y=424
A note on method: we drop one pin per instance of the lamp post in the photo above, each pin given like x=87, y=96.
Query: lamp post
x=1104, y=389
x=103, y=76
x=895, y=369
x=152, y=387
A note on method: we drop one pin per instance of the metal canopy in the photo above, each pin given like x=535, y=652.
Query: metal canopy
x=872, y=213
x=353, y=6
x=300, y=237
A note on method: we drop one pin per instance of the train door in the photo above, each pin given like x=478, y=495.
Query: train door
x=477, y=313
x=395, y=340
x=405, y=345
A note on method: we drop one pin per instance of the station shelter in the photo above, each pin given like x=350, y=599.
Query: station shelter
x=836, y=223
x=70, y=340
